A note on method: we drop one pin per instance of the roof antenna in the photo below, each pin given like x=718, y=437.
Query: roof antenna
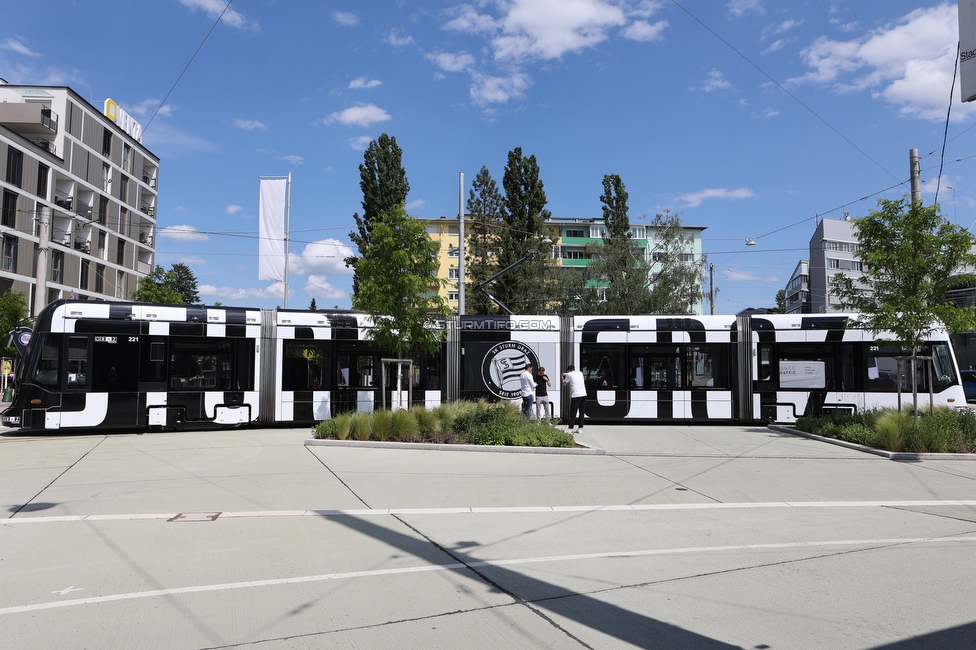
x=847, y=217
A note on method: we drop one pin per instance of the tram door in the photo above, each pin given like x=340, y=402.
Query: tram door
x=656, y=372
x=357, y=379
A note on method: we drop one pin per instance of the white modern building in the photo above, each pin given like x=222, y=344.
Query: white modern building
x=832, y=251
x=79, y=197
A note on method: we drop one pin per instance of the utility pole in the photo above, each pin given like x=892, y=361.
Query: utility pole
x=916, y=171
x=43, y=245
x=711, y=284
x=461, y=245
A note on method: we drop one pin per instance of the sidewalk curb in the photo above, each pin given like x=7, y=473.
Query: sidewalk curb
x=890, y=455
x=373, y=444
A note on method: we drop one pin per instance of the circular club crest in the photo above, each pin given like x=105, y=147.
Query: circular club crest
x=502, y=366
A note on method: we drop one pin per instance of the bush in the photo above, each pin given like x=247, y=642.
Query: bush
x=361, y=425
x=404, y=426
x=382, y=425
x=945, y=430
x=326, y=429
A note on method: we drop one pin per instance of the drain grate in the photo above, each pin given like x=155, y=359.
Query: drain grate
x=196, y=516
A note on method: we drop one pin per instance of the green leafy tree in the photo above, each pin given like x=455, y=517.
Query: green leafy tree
x=383, y=181
x=677, y=283
x=312, y=306
x=780, y=302
x=398, y=285
x=157, y=288
x=182, y=280
x=911, y=257
x=524, y=217
x=485, y=208
x=13, y=314
x=617, y=264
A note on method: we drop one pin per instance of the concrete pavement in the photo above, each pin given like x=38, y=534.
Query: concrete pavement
x=677, y=537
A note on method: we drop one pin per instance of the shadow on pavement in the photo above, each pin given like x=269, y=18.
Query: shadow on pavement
x=962, y=636
x=637, y=629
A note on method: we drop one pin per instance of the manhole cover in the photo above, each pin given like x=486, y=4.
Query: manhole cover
x=196, y=516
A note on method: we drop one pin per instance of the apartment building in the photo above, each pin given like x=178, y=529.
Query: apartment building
x=798, y=289
x=572, y=238
x=79, y=196
x=832, y=251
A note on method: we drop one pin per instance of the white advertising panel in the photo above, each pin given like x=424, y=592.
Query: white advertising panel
x=794, y=375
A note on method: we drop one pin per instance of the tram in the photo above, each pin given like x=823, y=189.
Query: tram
x=136, y=366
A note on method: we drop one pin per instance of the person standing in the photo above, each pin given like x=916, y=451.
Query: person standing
x=542, y=403
x=577, y=397
x=528, y=390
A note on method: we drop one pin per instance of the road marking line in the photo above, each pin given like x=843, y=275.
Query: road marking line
x=94, y=600
x=360, y=512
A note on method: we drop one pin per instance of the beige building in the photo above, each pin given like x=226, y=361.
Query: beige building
x=79, y=197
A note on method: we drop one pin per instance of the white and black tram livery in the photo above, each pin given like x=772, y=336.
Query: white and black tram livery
x=132, y=366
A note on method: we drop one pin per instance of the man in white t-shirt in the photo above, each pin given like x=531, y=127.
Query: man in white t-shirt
x=527, y=390
x=577, y=397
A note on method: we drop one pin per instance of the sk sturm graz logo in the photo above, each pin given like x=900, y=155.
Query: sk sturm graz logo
x=502, y=366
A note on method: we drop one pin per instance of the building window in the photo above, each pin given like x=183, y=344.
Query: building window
x=120, y=253
x=638, y=232
x=687, y=257
x=57, y=267
x=106, y=178
x=574, y=254
x=123, y=220
x=99, y=278
x=575, y=233
x=452, y=296
x=453, y=251
x=9, y=261
x=100, y=251
x=452, y=274
x=15, y=166
x=102, y=209
x=120, y=284
x=126, y=158
x=9, y=215
x=42, y=174
x=83, y=277
x=107, y=143
x=124, y=189
x=598, y=232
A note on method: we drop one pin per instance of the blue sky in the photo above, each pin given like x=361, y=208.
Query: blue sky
x=748, y=117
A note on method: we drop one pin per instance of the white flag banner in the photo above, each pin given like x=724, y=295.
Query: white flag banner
x=271, y=245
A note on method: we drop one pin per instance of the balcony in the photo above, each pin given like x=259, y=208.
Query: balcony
x=150, y=210
x=63, y=201
x=29, y=120
x=149, y=180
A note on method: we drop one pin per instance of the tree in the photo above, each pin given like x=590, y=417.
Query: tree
x=677, y=284
x=911, y=257
x=182, y=280
x=485, y=208
x=383, y=181
x=524, y=217
x=617, y=263
x=13, y=314
x=311, y=305
x=398, y=285
x=157, y=288
x=780, y=302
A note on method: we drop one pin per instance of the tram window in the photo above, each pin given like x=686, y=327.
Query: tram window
x=342, y=371
x=637, y=372
x=153, y=367
x=115, y=363
x=47, y=373
x=765, y=363
x=244, y=367
x=943, y=374
x=200, y=364
x=707, y=366
x=77, y=361
x=807, y=367
x=601, y=367
x=304, y=366
x=365, y=370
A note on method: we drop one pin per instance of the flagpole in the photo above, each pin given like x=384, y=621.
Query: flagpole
x=287, y=233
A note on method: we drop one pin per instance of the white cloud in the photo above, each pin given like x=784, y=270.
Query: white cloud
x=182, y=233
x=324, y=256
x=359, y=143
x=317, y=286
x=450, y=62
x=359, y=115
x=695, y=199
x=716, y=81
x=908, y=63
x=398, y=38
x=739, y=275
x=190, y=259
x=363, y=82
x=293, y=159
x=345, y=18
x=786, y=26
x=233, y=209
x=643, y=31
x=214, y=8
x=470, y=21
x=488, y=89
x=165, y=139
x=147, y=106
x=250, y=125
x=738, y=8
x=274, y=291
x=15, y=45
x=416, y=204
x=547, y=29
x=775, y=46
